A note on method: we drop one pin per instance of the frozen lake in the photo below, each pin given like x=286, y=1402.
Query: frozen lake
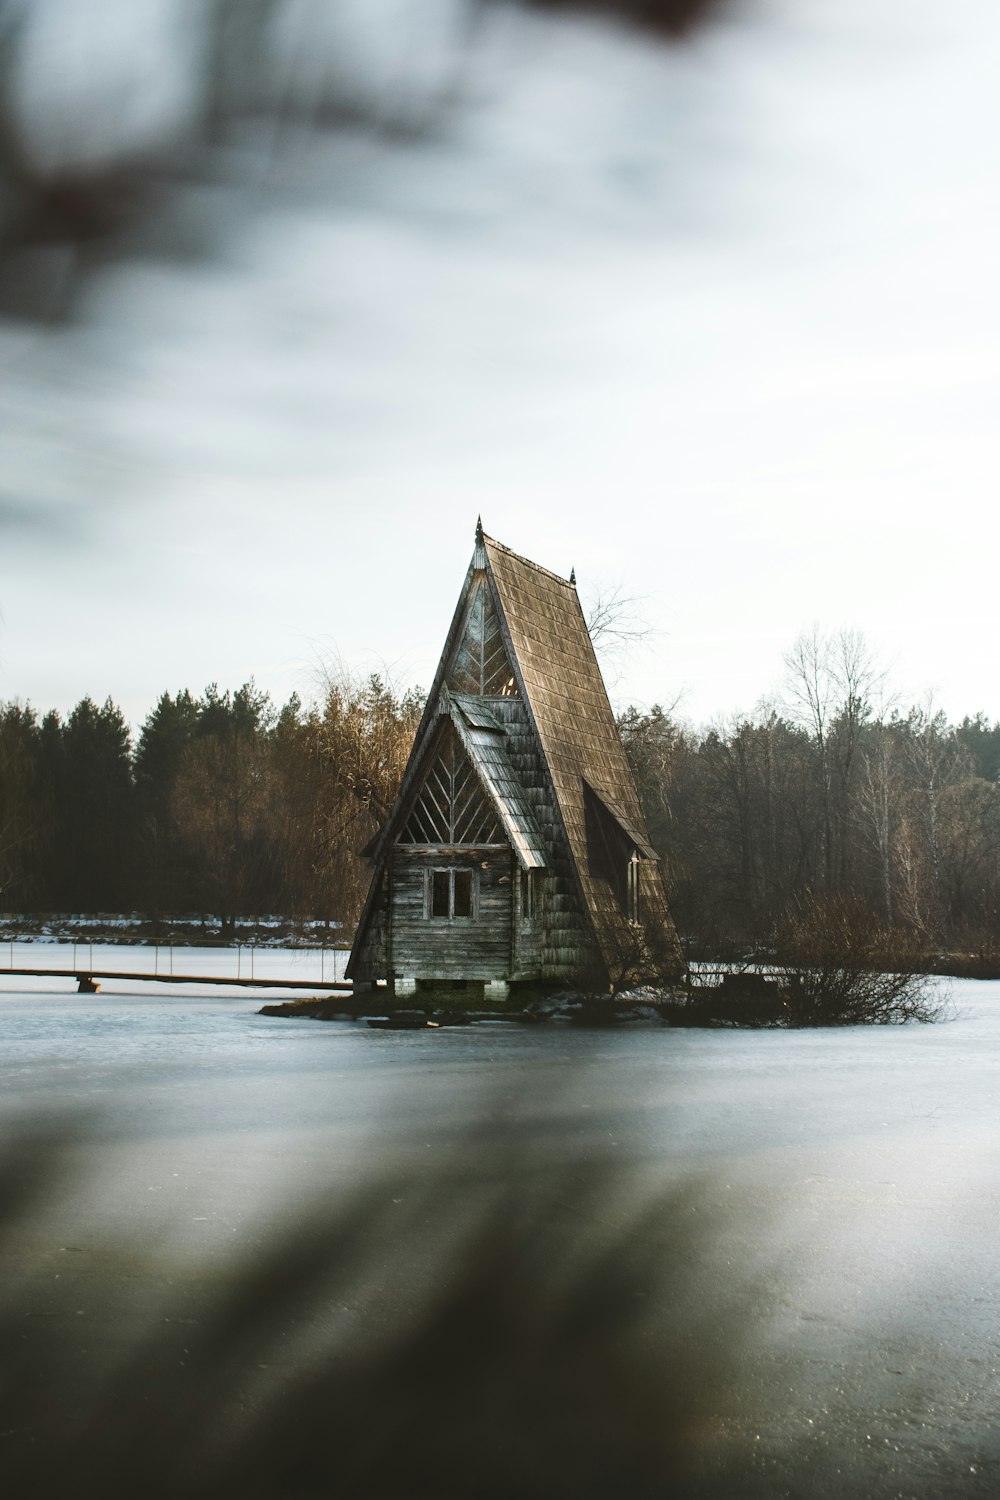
x=837, y=1192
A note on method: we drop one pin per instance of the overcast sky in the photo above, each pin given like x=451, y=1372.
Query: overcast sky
x=717, y=323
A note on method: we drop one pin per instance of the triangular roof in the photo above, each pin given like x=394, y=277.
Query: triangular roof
x=558, y=677
x=482, y=739
x=553, y=657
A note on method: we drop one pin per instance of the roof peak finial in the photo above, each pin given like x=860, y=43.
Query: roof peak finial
x=572, y=576
x=479, y=556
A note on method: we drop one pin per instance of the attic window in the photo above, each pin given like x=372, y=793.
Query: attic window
x=481, y=666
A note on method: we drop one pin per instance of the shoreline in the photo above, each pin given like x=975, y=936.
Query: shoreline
x=193, y=931
x=207, y=931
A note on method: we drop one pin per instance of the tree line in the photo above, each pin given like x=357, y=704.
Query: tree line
x=830, y=800
x=225, y=804
x=833, y=798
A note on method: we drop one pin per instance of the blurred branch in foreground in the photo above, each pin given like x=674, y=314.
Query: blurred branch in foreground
x=506, y=1311
x=105, y=104
x=496, y=1324
x=674, y=18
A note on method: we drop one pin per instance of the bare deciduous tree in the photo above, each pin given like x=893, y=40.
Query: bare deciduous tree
x=879, y=791
x=615, y=619
x=831, y=682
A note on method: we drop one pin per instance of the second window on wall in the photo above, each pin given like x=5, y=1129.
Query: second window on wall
x=449, y=893
x=632, y=889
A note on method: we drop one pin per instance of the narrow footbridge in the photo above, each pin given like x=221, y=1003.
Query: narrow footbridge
x=87, y=977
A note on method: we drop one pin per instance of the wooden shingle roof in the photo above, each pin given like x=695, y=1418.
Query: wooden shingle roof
x=484, y=741
x=562, y=685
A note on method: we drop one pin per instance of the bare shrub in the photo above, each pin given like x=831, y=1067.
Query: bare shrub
x=831, y=964
x=975, y=954
x=843, y=967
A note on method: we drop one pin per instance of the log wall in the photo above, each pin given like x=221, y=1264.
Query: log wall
x=476, y=947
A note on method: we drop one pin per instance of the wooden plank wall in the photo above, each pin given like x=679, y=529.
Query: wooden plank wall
x=477, y=947
x=371, y=960
x=559, y=944
x=526, y=949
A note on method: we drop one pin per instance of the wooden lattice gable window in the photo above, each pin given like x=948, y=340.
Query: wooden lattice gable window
x=481, y=665
x=451, y=807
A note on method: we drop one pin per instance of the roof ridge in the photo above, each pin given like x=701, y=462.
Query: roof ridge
x=528, y=562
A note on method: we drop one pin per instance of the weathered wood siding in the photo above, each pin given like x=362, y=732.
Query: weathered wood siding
x=370, y=956
x=557, y=944
x=526, y=949
x=568, y=704
x=476, y=947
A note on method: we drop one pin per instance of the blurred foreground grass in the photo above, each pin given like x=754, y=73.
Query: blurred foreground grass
x=486, y=1322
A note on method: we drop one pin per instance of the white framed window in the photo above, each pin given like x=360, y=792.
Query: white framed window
x=450, y=894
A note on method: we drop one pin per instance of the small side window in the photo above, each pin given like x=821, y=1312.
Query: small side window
x=529, y=894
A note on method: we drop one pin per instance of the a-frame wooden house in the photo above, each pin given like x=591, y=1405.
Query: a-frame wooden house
x=516, y=851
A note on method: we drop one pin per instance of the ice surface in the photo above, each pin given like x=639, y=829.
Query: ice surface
x=845, y=1185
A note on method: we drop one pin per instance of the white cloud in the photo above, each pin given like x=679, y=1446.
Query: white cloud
x=718, y=322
